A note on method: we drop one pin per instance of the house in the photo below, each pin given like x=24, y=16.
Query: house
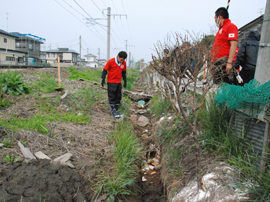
x=68, y=57
x=91, y=60
x=31, y=45
x=102, y=62
x=251, y=26
x=8, y=53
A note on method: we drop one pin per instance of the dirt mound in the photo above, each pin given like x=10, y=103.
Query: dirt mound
x=40, y=180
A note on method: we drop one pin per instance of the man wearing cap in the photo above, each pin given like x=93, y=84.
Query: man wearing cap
x=224, y=49
x=116, y=69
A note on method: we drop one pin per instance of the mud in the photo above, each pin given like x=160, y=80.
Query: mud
x=40, y=180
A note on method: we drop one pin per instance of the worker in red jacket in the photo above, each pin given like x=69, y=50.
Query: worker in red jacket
x=224, y=49
x=116, y=69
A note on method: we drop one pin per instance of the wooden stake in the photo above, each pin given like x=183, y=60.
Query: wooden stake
x=59, y=80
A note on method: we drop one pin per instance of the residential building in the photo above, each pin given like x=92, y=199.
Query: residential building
x=102, y=62
x=254, y=25
x=68, y=57
x=31, y=45
x=8, y=53
x=91, y=60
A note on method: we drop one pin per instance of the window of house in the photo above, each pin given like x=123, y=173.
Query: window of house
x=30, y=46
x=5, y=40
x=18, y=45
x=51, y=55
x=8, y=58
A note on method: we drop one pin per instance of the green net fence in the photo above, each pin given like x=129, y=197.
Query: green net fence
x=250, y=99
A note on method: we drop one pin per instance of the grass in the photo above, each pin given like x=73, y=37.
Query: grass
x=159, y=105
x=126, y=154
x=78, y=111
x=219, y=139
x=46, y=84
x=218, y=136
x=88, y=74
x=95, y=75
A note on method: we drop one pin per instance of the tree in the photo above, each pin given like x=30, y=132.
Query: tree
x=181, y=68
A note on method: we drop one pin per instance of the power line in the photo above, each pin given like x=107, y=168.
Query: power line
x=96, y=6
x=80, y=21
x=123, y=6
x=120, y=19
x=73, y=8
x=116, y=35
x=104, y=4
x=127, y=20
x=94, y=20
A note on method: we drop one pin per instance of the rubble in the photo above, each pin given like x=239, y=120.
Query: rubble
x=143, y=121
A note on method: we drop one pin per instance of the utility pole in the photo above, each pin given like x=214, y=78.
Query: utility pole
x=129, y=58
x=262, y=73
x=98, y=57
x=108, y=32
x=92, y=21
x=80, y=50
x=126, y=46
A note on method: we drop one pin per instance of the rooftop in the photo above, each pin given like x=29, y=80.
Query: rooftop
x=62, y=50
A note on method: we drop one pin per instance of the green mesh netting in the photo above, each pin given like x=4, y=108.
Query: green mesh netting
x=250, y=98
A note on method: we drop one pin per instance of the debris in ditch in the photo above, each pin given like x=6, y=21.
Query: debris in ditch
x=144, y=179
x=133, y=117
x=160, y=120
x=152, y=172
x=145, y=131
x=1, y=145
x=151, y=167
x=141, y=102
x=143, y=121
x=145, y=168
x=158, y=167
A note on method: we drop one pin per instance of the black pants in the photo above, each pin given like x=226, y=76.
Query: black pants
x=114, y=93
x=247, y=75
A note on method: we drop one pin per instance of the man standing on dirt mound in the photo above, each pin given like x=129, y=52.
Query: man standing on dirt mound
x=116, y=69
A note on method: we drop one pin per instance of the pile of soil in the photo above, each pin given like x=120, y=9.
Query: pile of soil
x=40, y=180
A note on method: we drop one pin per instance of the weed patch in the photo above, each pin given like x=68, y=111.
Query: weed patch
x=46, y=84
x=88, y=74
x=159, y=105
x=11, y=84
x=126, y=153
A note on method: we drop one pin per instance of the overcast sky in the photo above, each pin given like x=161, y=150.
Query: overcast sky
x=61, y=22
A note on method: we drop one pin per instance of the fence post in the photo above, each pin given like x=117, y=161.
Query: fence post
x=265, y=145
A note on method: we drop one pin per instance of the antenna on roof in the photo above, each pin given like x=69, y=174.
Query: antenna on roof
x=7, y=22
x=228, y=4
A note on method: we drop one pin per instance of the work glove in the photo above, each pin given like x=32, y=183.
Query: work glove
x=103, y=82
x=125, y=84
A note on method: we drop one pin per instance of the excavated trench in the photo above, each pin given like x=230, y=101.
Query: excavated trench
x=150, y=169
